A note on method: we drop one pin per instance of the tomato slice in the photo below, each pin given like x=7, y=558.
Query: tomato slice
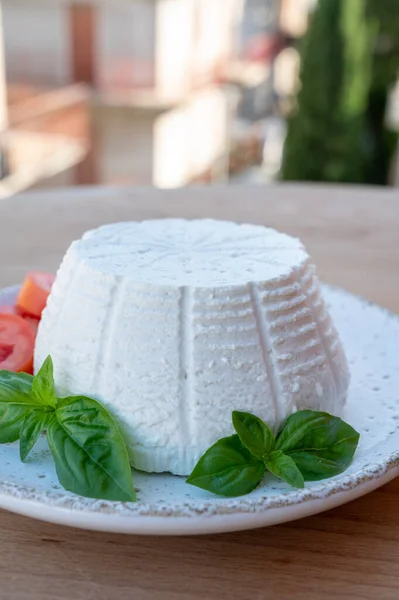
x=9, y=310
x=33, y=323
x=13, y=310
x=17, y=344
x=35, y=290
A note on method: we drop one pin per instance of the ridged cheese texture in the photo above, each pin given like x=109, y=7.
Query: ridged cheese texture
x=173, y=324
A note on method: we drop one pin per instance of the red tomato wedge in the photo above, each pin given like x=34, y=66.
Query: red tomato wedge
x=17, y=343
x=9, y=310
x=32, y=322
x=13, y=310
x=34, y=293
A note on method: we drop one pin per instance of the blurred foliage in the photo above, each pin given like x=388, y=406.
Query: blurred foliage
x=349, y=61
x=381, y=142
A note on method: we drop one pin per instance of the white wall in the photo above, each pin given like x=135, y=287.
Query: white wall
x=174, y=47
x=37, y=43
x=189, y=139
x=167, y=149
x=124, y=143
x=295, y=15
x=125, y=50
x=193, y=39
x=165, y=44
x=216, y=30
x=3, y=89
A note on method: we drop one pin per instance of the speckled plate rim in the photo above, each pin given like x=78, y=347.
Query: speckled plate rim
x=201, y=523
x=199, y=517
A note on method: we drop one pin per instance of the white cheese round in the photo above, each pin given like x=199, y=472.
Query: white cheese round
x=173, y=324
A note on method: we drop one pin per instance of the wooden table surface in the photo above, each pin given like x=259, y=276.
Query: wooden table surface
x=351, y=552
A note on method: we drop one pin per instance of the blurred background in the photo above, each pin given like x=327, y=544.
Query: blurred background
x=175, y=92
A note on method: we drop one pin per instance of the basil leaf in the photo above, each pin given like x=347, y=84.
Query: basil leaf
x=297, y=426
x=320, y=444
x=90, y=455
x=11, y=419
x=15, y=404
x=284, y=467
x=256, y=436
x=31, y=428
x=20, y=382
x=227, y=469
x=43, y=384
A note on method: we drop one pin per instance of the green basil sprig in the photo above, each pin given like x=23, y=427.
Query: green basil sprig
x=228, y=468
x=90, y=454
x=310, y=446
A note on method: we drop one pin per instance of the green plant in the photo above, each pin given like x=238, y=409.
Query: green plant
x=311, y=446
x=349, y=61
x=90, y=455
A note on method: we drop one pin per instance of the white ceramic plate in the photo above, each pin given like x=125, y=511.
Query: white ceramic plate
x=168, y=506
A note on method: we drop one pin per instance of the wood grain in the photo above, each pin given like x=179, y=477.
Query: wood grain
x=349, y=553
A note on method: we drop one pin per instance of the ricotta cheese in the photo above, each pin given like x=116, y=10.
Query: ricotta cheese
x=173, y=324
